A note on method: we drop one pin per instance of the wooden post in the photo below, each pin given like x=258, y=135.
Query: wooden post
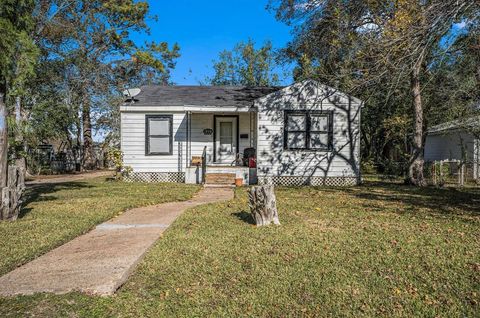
x=460, y=177
x=434, y=173
x=263, y=206
x=441, y=172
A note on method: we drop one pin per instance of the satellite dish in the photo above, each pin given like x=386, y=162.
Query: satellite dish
x=131, y=92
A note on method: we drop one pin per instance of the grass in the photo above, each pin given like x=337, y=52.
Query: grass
x=56, y=213
x=377, y=250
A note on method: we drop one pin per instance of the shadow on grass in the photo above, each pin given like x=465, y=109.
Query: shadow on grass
x=440, y=201
x=40, y=192
x=245, y=217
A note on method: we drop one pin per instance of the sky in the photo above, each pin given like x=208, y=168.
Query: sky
x=204, y=28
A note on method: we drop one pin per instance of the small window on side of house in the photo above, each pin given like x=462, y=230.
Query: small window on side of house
x=159, y=135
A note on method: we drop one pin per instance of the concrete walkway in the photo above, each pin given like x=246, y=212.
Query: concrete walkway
x=100, y=261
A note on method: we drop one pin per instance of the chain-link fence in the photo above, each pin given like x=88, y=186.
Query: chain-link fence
x=45, y=160
x=438, y=173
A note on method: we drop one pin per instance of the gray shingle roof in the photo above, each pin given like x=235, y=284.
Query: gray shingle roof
x=468, y=123
x=200, y=95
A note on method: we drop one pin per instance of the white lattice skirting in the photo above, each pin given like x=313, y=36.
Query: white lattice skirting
x=296, y=181
x=155, y=177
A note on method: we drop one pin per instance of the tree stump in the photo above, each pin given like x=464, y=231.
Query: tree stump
x=263, y=205
x=12, y=195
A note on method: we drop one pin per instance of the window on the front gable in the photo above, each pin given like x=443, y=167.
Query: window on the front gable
x=308, y=130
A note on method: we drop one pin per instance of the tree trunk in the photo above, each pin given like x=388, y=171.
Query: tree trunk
x=20, y=160
x=4, y=192
x=415, y=171
x=88, y=161
x=263, y=205
x=12, y=194
x=3, y=138
x=477, y=76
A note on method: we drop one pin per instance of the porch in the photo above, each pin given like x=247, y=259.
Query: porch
x=219, y=145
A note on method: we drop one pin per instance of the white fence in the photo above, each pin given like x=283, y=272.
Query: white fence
x=455, y=172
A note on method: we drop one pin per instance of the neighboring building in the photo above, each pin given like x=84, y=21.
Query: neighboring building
x=306, y=133
x=455, y=140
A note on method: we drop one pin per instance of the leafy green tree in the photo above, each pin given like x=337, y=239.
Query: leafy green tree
x=245, y=65
x=18, y=55
x=90, y=40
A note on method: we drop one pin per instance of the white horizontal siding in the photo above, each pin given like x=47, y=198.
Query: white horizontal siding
x=133, y=140
x=273, y=160
x=199, y=140
x=449, y=146
x=133, y=144
x=266, y=137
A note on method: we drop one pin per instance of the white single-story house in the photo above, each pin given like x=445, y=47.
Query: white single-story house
x=303, y=134
x=455, y=140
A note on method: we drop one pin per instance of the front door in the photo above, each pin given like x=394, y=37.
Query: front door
x=226, y=146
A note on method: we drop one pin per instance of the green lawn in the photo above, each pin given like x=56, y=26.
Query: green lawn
x=376, y=250
x=56, y=213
